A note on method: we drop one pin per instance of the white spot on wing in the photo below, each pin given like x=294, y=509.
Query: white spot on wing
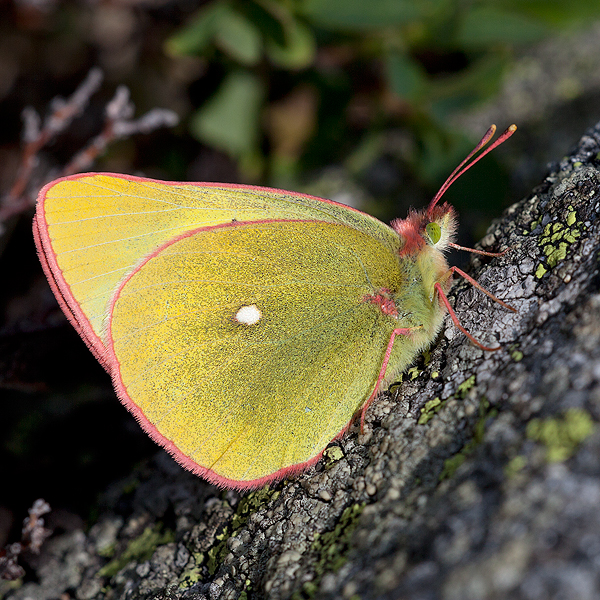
x=248, y=315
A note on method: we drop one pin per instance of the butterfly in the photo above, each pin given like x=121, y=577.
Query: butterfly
x=242, y=326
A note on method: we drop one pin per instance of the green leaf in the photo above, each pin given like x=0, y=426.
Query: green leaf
x=230, y=120
x=405, y=76
x=196, y=36
x=558, y=12
x=476, y=84
x=363, y=14
x=230, y=30
x=238, y=38
x=438, y=150
x=298, y=50
x=486, y=25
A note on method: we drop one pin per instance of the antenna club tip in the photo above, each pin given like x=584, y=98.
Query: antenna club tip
x=512, y=128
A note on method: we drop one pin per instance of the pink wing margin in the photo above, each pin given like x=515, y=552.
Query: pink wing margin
x=61, y=288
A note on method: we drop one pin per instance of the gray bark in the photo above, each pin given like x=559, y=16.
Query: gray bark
x=477, y=477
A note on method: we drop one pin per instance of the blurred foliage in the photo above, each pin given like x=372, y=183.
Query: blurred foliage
x=308, y=82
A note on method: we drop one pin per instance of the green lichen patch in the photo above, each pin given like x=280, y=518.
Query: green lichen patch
x=556, y=239
x=413, y=373
x=434, y=406
x=139, y=549
x=516, y=354
x=561, y=435
x=250, y=504
x=408, y=375
x=216, y=554
x=7, y=586
x=247, y=506
x=106, y=551
x=431, y=408
x=451, y=464
x=331, y=548
x=464, y=387
x=514, y=466
x=332, y=454
x=540, y=271
x=192, y=573
x=246, y=591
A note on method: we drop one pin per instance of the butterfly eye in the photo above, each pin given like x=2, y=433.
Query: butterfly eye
x=434, y=231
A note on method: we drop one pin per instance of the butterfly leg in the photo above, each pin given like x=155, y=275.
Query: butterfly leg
x=479, y=287
x=443, y=298
x=384, y=364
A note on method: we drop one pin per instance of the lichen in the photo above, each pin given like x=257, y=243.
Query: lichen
x=211, y=560
x=451, y=464
x=561, y=435
x=247, y=506
x=245, y=592
x=464, y=387
x=250, y=504
x=516, y=355
x=429, y=410
x=331, y=455
x=434, y=406
x=413, y=373
x=408, y=375
x=192, y=574
x=556, y=239
x=8, y=586
x=138, y=549
x=107, y=551
x=515, y=465
x=331, y=548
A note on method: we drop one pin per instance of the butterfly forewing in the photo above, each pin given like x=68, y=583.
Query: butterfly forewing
x=95, y=228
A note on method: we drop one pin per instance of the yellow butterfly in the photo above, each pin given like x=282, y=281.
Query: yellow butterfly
x=244, y=326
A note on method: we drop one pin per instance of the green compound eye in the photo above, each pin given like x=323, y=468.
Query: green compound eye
x=434, y=231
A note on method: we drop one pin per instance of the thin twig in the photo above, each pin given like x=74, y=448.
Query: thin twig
x=35, y=138
x=119, y=123
x=33, y=535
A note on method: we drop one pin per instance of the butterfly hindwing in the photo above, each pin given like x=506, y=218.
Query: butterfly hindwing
x=243, y=396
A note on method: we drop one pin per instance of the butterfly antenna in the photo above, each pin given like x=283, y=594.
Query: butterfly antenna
x=465, y=165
